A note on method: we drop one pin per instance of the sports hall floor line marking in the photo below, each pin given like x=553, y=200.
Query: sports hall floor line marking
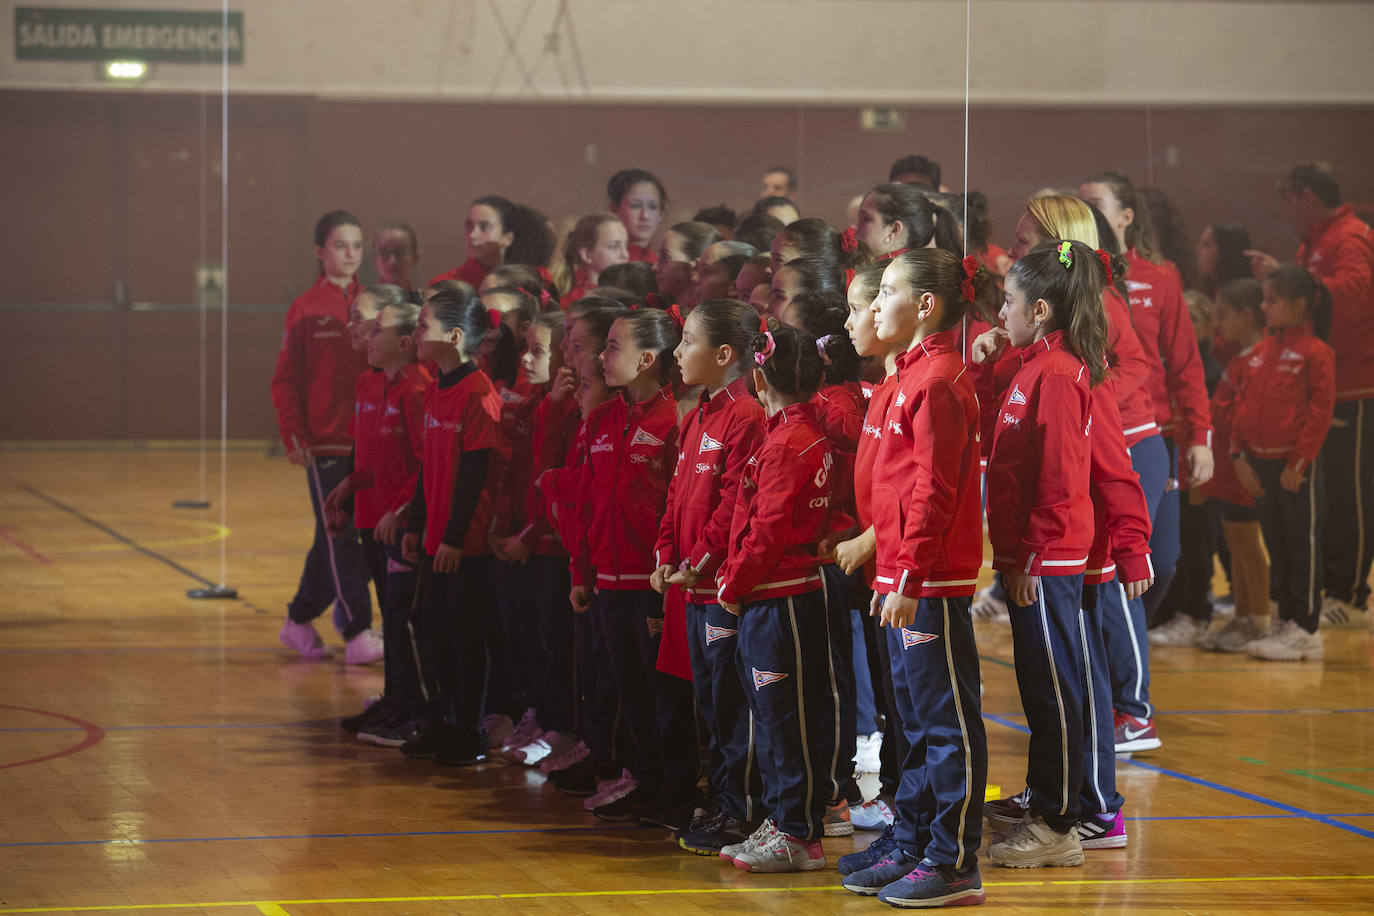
x=1209, y=784
x=123, y=539
x=1303, y=711
x=276, y=907
x=148, y=841
x=314, y=723
x=94, y=735
x=1312, y=775
x=8, y=534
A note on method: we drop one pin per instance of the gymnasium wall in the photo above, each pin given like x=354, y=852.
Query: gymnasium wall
x=112, y=197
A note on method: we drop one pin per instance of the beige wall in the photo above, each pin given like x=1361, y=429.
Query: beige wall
x=1034, y=52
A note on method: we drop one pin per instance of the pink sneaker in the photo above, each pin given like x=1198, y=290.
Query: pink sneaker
x=608, y=791
x=525, y=732
x=1099, y=833
x=364, y=648
x=303, y=638
x=575, y=754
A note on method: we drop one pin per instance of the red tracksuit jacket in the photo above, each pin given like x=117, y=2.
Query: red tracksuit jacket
x=312, y=387
x=715, y=442
x=1286, y=404
x=927, y=499
x=471, y=272
x=1225, y=485
x=554, y=429
x=631, y=451
x=645, y=253
x=1166, y=333
x=519, y=407
x=866, y=457
x=559, y=487
x=782, y=513
x=1339, y=251
x=1040, y=516
x=840, y=411
x=1121, y=542
x=1130, y=371
x=389, y=436
x=463, y=418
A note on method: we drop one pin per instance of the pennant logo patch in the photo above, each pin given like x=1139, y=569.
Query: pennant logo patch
x=644, y=438
x=915, y=638
x=714, y=633
x=1017, y=396
x=764, y=678
x=655, y=625
x=710, y=445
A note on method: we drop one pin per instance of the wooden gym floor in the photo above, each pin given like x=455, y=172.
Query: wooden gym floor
x=164, y=754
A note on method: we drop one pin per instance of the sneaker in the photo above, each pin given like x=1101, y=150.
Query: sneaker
x=782, y=853
x=393, y=732
x=497, y=726
x=364, y=649
x=1006, y=813
x=623, y=798
x=524, y=732
x=713, y=835
x=1224, y=606
x=751, y=842
x=373, y=708
x=549, y=744
x=575, y=754
x=427, y=740
x=1034, y=844
x=1236, y=634
x=1134, y=734
x=578, y=779
x=463, y=747
x=666, y=814
x=871, y=815
x=1181, y=630
x=867, y=858
x=1342, y=615
x=836, y=821
x=1291, y=643
x=987, y=605
x=1103, y=833
x=610, y=790
x=891, y=867
x=304, y=638
x=869, y=753
x=930, y=885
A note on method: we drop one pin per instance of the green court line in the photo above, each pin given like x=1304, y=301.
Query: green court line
x=1312, y=775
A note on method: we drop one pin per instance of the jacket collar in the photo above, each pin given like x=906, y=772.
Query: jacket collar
x=1054, y=340
x=737, y=390
x=939, y=342
x=1322, y=226
x=793, y=413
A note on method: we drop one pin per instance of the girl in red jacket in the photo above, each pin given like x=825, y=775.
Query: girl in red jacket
x=1240, y=325
x=927, y=517
x=451, y=508
x=772, y=581
x=500, y=232
x=312, y=391
x=630, y=458
x=595, y=243
x=1040, y=522
x=716, y=440
x=389, y=437
x=639, y=200
x=1282, y=419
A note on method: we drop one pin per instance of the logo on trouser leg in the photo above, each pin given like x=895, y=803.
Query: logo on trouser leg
x=655, y=625
x=915, y=638
x=396, y=566
x=764, y=678
x=714, y=633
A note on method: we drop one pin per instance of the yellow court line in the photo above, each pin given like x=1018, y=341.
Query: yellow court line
x=276, y=907
x=211, y=532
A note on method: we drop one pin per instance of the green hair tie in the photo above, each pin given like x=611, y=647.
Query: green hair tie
x=1066, y=255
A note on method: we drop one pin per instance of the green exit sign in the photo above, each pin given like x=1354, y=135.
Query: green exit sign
x=164, y=36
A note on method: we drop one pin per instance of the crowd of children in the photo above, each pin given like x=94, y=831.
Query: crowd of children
x=617, y=501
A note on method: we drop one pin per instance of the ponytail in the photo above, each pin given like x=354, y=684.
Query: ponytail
x=1293, y=282
x=958, y=282
x=1071, y=277
x=789, y=359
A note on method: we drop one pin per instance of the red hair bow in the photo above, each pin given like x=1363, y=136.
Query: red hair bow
x=675, y=313
x=544, y=276
x=849, y=240
x=763, y=325
x=544, y=297
x=493, y=319
x=652, y=301
x=970, y=271
x=1106, y=260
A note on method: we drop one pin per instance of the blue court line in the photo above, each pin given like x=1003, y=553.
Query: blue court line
x=1291, y=810
x=320, y=836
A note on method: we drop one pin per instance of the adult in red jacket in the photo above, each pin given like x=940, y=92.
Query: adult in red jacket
x=500, y=232
x=1338, y=249
x=312, y=391
x=639, y=199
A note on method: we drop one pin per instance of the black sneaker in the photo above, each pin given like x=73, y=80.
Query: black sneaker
x=578, y=779
x=704, y=812
x=655, y=813
x=393, y=733
x=463, y=747
x=720, y=831
x=381, y=710
x=427, y=741
x=867, y=858
x=623, y=808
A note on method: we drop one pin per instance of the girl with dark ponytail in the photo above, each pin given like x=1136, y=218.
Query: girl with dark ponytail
x=500, y=232
x=815, y=238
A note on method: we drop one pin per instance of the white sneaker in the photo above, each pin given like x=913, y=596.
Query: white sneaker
x=1341, y=615
x=782, y=853
x=871, y=815
x=549, y=744
x=1225, y=606
x=988, y=606
x=614, y=790
x=304, y=638
x=869, y=759
x=525, y=731
x=364, y=649
x=1291, y=643
x=753, y=841
x=1236, y=634
x=1034, y=844
x=1181, y=630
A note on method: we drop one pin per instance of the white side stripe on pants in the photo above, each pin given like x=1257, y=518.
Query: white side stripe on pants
x=1091, y=712
x=333, y=564
x=801, y=715
x=1059, y=699
x=1135, y=650
x=963, y=731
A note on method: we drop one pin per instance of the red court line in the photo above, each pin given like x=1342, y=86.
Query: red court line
x=8, y=534
x=94, y=735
